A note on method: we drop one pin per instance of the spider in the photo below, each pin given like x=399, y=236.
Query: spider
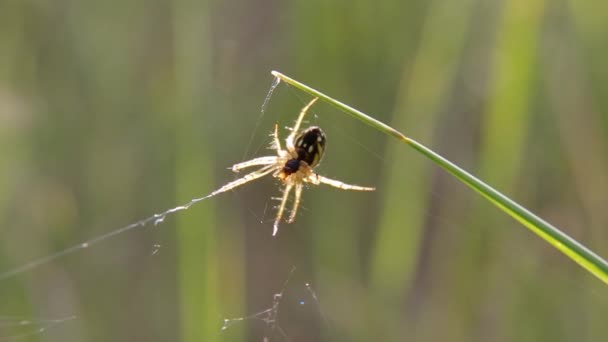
x=294, y=166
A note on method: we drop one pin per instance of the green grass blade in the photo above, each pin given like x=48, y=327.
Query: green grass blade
x=567, y=245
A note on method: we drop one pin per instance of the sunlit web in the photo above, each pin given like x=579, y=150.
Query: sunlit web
x=270, y=315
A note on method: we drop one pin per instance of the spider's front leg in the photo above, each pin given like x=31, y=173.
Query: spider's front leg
x=268, y=160
x=296, y=127
x=245, y=179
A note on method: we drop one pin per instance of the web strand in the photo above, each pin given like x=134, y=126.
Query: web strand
x=273, y=86
x=156, y=219
x=269, y=316
x=38, y=326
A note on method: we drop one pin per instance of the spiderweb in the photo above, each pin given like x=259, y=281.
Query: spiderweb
x=154, y=219
x=18, y=328
x=272, y=317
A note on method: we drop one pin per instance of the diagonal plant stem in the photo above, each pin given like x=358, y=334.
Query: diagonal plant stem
x=590, y=261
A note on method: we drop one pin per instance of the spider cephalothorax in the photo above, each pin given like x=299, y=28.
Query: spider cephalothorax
x=293, y=166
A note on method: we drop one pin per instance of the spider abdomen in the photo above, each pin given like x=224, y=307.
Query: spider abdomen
x=310, y=145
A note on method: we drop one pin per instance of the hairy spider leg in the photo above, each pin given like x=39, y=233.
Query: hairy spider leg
x=296, y=203
x=245, y=179
x=268, y=160
x=318, y=179
x=296, y=127
x=286, y=192
x=277, y=142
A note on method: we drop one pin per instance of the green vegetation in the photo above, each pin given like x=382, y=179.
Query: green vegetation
x=111, y=111
x=573, y=249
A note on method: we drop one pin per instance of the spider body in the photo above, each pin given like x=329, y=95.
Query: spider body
x=294, y=166
x=310, y=145
x=291, y=166
x=308, y=151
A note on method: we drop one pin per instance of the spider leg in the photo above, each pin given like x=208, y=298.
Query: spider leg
x=317, y=179
x=296, y=127
x=281, y=209
x=277, y=142
x=268, y=160
x=245, y=179
x=296, y=203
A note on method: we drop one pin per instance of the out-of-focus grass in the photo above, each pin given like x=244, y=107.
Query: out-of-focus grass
x=198, y=259
x=110, y=111
x=423, y=86
x=504, y=128
x=571, y=88
x=425, y=83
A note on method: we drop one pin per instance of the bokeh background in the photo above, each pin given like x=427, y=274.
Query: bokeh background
x=111, y=111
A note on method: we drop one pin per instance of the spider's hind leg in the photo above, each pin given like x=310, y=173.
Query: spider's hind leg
x=276, y=143
x=281, y=209
x=296, y=203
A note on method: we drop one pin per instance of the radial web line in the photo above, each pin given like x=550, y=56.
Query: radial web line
x=156, y=218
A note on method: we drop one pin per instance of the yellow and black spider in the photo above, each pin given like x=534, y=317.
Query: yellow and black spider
x=293, y=166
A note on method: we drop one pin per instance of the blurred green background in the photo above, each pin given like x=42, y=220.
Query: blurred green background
x=111, y=111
